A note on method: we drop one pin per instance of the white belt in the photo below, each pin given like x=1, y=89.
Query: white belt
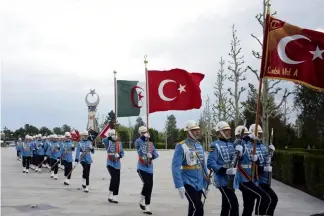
x=246, y=166
x=110, y=153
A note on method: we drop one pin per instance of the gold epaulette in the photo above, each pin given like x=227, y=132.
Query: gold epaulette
x=182, y=142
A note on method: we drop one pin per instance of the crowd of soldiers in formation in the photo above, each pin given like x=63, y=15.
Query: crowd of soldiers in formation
x=228, y=166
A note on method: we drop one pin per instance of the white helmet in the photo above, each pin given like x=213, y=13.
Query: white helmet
x=112, y=133
x=220, y=126
x=67, y=134
x=191, y=125
x=19, y=138
x=238, y=130
x=84, y=133
x=142, y=129
x=39, y=135
x=54, y=136
x=252, y=128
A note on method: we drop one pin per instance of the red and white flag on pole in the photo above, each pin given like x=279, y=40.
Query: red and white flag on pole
x=105, y=131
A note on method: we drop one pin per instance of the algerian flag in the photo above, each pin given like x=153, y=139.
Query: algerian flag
x=131, y=98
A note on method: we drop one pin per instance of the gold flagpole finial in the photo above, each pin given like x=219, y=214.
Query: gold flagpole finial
x=268, y=6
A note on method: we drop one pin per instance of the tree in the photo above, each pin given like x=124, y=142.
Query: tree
x=20, y=133
x=139, y=123
x=66, y=128
x=123, y=134
x=110, y=119
x=237, y=76
x=221, y=107
x=31, y=130
x=58, y=131
x=154, y=135
x=172, y=131
x=310, y=103
x=45, y=131
x=270, y=87
x=205, y=123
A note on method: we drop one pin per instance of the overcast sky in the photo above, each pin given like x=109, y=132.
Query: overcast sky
x=55, y=51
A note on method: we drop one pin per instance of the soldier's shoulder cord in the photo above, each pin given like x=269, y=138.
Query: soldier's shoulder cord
x=182, y=142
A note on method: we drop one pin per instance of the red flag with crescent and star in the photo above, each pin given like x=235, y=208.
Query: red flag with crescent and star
x=292, y=53
x=174, y=89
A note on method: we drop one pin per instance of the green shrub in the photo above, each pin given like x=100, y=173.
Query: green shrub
x=314, y=174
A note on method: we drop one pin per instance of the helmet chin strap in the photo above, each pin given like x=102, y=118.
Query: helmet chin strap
x=224, y=135
x=192, y=136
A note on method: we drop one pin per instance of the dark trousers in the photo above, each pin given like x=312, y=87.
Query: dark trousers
x=54, y=167
x=250, y=193
x=67, y=169
x=147, y=179
x=40, y=159
x=230, y=205
x=273, y=198
x=86, y=171
x=32, y=162
x=196, y=207
x=26, y=162
x=18, y=153
x=114, y=180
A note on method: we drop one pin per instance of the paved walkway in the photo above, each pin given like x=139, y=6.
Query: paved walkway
x=19, y=191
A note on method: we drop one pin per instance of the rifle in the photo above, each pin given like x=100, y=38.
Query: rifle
x=235, y=159
x=270, y=158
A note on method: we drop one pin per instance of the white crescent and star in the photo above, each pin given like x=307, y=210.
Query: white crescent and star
x=161, y=87
x=282, y=49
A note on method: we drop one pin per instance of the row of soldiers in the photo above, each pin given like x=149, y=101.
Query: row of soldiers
x=54, y=151
x=190, y=169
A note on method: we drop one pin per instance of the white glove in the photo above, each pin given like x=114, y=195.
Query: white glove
x=147, y=135
x=231, y=171
x=254, y=158
x=45, y=158
x=252, y=136
x=182, y=192
x=116, y=155
x=271, y=147
x=58, y=159
x=267, y=169
x=239, y=148
x=149, y=155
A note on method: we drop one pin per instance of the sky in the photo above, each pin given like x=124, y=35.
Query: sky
x=54, y=52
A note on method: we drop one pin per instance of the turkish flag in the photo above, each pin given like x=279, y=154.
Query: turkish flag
x=292, y=53
x=174, y=89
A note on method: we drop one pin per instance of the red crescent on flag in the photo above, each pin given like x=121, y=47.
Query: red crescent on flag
x=133, y=90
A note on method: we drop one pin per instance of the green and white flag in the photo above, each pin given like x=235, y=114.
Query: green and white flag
x=131, y=98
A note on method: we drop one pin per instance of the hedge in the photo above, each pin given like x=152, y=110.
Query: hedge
x=301, y=170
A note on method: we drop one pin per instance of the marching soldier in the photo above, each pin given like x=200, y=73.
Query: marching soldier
x=33, y=157
x=146, y=154
x=250, y=191
x=26, y=152
x=48, y=152
x=39, y=153
x=67, y=158
x=114, y=153
x=220, y=156
x=192, y=180
x=85, y=147
x=18, y=148
x=55, y=155
x=264, y=168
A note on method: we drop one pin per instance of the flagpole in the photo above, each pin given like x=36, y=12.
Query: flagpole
x=260, y=86
x=147, y=92
x=115, y=95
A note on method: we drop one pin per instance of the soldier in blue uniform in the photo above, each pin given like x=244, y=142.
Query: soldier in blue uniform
x=18, y=148
x=146, y=154
x=56, y=152
x=26, y=153
x=67, y=158
x=114, y=153
x=220, y=156
x=85, y=147
x=39, y=153
x=189, y=171
x=250, y=191
x=48, y=143
x=263, y=168
x=33, y=149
